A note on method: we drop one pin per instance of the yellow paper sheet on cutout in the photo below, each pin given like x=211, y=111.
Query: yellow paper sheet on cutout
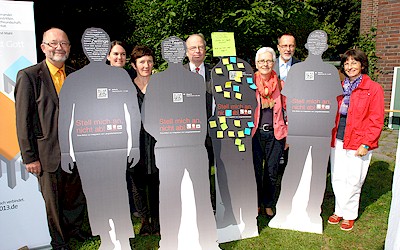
x=220, y=134
x=238, y=141
x=229, y=67
x=239, y=73
x=222, y=119
x=237, y=123
x=240, y=65
x=228, y=85
x=218, y=88
x=225, y=61
x=227, y=94
x=223, y=44
x=213, y=124
x=231, y=133
x=224, y=126
x=238, y=96
x=240, y=134
x=241, y=148
x=218, y=71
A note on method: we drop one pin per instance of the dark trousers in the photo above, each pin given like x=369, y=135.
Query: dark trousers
x=65, y=204
x=210, y=154
x=267, y=149
x=144, y=192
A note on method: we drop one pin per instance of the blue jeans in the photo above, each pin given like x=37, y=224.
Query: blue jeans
x=266, y=148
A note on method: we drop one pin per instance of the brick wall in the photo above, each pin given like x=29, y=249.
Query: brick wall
x=385, y=16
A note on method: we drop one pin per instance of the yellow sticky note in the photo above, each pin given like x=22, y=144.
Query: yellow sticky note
x=220, y=134
x=224, y=126
x=238, y=79
x=239, y=74
x=218, y=71
x=240, y=134
x=225, y=61
x=238, y=141
x=240, y=65
x=241, y=148
x=228, y=85
x=213, y=124
x=238, y=96
x=227, y=94
x=222, y=119
x=237, y=123
x=229, y=67
x=218, y=88
x=223, y=44
x=231, y=133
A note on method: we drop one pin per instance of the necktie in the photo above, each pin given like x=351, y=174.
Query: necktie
x=197, y=70
x=60, y=77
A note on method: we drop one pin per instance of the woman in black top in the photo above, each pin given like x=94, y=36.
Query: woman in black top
x=145, y=174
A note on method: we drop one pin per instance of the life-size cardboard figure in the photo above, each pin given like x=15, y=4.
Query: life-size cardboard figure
x=230, y=130
x=393, y=233
x=311, y=89
x=99, y=125
x=174, y=113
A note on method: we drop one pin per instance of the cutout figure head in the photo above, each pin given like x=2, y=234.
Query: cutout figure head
x=96, y=44
x=173, y=50
x=317, y=42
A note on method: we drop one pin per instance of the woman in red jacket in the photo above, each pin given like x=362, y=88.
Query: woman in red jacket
x=359, y=123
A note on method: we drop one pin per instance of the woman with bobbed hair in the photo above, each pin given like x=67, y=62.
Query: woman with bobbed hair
x=270, y=128
x=359, y=122
x=145, y=174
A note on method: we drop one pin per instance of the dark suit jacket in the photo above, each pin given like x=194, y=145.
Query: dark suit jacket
x=36, y=106
x=276, y=67
x=207, y=68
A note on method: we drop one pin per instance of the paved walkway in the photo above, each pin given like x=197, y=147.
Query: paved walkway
x=387, y=146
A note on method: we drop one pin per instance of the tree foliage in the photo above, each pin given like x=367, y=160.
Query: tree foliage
x=256, y=23
x=341, y=21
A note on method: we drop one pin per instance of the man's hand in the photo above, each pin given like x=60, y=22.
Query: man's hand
x=34, y=167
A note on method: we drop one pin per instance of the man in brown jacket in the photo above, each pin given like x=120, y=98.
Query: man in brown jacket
x=36, y=103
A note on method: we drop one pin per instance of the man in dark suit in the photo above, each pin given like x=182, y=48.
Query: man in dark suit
x=36, y=103
x=196, y=53
x=286, y=47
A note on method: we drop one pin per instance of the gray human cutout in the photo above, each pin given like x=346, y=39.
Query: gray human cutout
x=311, y=90
x=99, y=123
x=230, y=131
x=174, y=113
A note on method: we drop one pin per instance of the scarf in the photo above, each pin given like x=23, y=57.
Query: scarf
x=348, y=88
x=266, y=88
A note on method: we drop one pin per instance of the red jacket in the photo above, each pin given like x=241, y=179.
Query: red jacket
x=365, y=116
x=280, y=127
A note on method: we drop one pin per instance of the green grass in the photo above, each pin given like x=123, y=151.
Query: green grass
x=369, y=231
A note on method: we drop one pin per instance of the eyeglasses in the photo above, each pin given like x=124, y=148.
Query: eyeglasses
x=54, y=44
x=290, y=46
x=265, y=61
x=194, y=48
